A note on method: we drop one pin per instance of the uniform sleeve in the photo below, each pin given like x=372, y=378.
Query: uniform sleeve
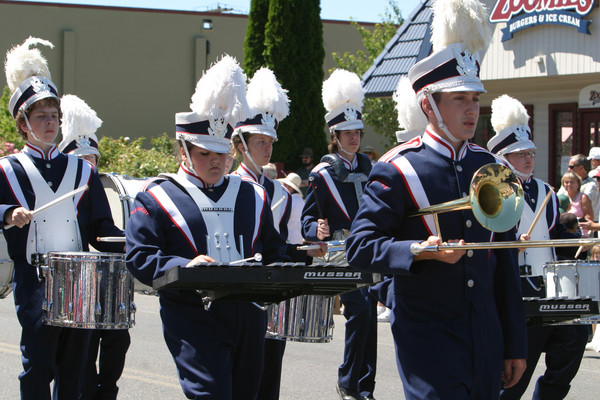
x=146, y=235
x=314, y=207
x=373, y=244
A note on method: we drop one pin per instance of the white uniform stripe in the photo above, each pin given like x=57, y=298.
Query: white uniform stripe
x=416, y=190
x=172, y=211
x=333, y=190
x=261, y=201
x=13, y=182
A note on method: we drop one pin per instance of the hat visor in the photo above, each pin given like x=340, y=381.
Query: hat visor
x=348, y=125
x=85, y=151
x=256, y=130
x=518, y=146
x=206, y=142
x=466, y=87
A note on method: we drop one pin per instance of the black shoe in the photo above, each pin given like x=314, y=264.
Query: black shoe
x=367, y=398
x=347, y=394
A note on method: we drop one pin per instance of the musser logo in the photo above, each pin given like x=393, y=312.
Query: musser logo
x=564, y=307
x=217, y=209
x=352, y=275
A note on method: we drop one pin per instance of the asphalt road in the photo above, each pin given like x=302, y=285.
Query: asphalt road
x=309, y=370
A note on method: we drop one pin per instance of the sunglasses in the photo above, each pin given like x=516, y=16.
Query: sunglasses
x=573, y=166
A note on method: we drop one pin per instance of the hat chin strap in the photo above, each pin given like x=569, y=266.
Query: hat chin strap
x=33, y=133
x=441, y=123
x=247, y=154
x=189, y=159
x=341, y=148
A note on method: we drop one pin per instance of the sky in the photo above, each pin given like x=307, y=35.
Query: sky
x=359, y=10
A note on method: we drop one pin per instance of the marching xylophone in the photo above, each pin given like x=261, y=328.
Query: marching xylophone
x=560, y=310
x=265, y=283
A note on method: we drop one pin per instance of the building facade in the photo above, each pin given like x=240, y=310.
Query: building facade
x=138, y=67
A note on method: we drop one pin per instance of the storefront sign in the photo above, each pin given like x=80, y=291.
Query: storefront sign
x=523, y=14
x=589, y=96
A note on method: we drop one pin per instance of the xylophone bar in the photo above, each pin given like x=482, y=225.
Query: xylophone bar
x=271, y=283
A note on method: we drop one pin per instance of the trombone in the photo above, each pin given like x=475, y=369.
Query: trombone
x=496, y=199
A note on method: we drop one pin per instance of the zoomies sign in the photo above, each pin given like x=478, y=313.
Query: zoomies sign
x=523, y=14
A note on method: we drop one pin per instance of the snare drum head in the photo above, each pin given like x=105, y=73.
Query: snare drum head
x=121, y=191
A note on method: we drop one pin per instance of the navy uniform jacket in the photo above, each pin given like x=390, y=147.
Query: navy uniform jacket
x=155, y=243
x=93, y=211
x=452, y=323
x=339, y=207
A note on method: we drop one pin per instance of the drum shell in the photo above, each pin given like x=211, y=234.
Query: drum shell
x=307, y=318
x=571, y=279
x=88, y=290
x=120, y=191
x=6, y=269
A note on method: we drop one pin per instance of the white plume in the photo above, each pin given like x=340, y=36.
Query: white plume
x=266, y=94
x=410, y=115
x=508, y=111
x=23, y=62
x=78, y=119
x=460, y=21
x=342, y=87
x=221, y=92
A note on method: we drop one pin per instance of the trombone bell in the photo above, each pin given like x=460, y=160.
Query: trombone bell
x=495, y=197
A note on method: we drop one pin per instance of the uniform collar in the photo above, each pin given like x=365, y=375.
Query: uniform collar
x=245, y=171
x=443, y=146
x=187, y=174
x=350, y=166
x=36, y=152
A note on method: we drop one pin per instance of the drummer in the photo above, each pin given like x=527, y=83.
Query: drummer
x=79, y=125
x=332, y=200
x=199, y=215
x=35, y=177
x=564, y=345
x=252, y=141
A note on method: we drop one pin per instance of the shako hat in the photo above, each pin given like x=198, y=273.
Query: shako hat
x=218, y=103
x=459, y=31
x=510, y=122
x=28, y=76
x=79, y=126
x=343, y=97
x=268, y=102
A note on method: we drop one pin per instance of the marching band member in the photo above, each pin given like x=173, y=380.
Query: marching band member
x=253, y=141
x=458, y=319
x=202, y=215
x=332, y=200
x=30, y=179
x=564, y=345
x=79, y=126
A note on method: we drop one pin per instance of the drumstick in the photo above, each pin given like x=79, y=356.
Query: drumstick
x=111, y=239
x=539, y=213
x=54, y=202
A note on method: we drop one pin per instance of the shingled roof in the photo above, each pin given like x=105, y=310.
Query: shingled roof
x=410, y=44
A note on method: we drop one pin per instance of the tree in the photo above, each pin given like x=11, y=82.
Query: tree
x=380, y=113
x=293, y=49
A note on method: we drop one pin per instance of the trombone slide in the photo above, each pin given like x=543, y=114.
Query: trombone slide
x=417, y=249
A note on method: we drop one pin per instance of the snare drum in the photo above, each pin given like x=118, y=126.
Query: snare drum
x=301, y=319
x=120, y=191
x=6, y=269
x=572, y=279
x=88, y=290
